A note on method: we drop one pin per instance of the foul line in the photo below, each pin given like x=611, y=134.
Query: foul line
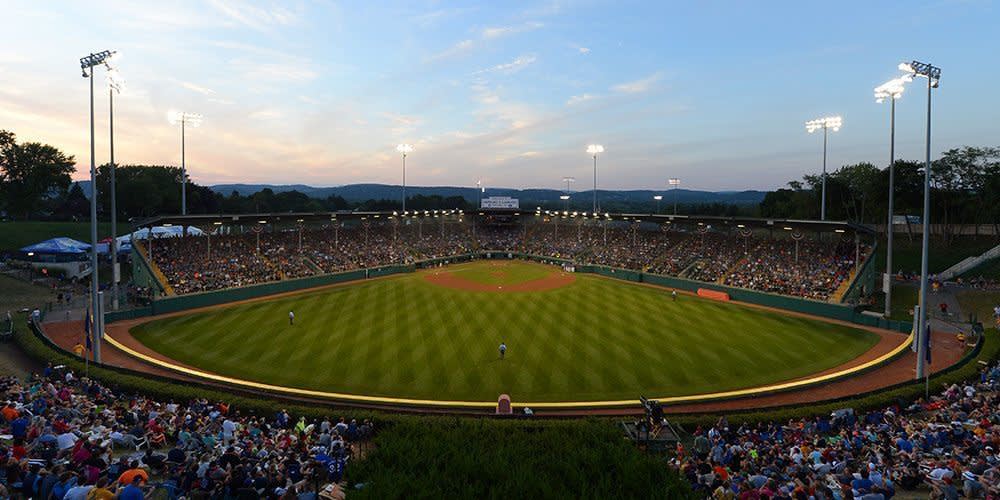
x=361, y=398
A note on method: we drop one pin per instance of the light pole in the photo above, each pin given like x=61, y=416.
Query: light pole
x=184, y=118
x=565, y=196
x=825, y=123
x=115, y=84
x=404, y=149
x=658, y=198
x=933, y=76
x=594, y=149
x=479, y=194
x=891, y=90
x=675, y=183
x=87, y=64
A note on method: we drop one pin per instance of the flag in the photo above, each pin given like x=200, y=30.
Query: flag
x=927, y=343
x=88, y=319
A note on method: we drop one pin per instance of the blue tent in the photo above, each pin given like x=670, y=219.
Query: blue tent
x=60, y=246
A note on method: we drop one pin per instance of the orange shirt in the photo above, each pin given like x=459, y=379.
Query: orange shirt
x=127, y=476
x=9, y=413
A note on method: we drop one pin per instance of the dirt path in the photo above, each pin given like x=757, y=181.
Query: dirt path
x=947, y=351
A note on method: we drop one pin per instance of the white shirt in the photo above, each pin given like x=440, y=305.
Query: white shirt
x=291, y=315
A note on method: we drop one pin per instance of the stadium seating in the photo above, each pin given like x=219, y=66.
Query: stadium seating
x=808, y=268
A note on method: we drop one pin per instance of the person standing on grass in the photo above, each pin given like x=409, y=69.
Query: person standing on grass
x=503, y=350
x=291, y=317
x=673, y=295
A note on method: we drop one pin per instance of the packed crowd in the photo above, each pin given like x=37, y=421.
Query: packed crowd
x=63, y=437
x=808, y=268
x=947, y=446
x=814, y=270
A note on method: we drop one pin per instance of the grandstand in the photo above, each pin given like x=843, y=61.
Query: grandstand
x=808, y=259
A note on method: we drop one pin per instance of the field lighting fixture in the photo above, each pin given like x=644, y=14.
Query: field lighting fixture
x=892, y=90
x=658, y=197
x=826, y=123
x=184, y=119
x=674, y=183
x=115, y=86
x=87, y=64
x=933, y=76
x=404, y=149
x=594, y=149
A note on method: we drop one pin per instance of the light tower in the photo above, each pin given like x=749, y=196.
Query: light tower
x=404, y=149
x=933, y=76
x=594, y=149
x=184, y=119
x=826, y=123
x=674, y=183
x=891, y=90
x=87, y=64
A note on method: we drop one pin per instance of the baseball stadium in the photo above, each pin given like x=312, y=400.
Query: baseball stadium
x=379, y=250
x=407, y=310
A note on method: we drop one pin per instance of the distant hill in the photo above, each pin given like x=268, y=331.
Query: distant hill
x=362, y=192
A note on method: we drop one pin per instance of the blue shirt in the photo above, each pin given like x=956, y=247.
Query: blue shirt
x=131, y=492
x=19, y=427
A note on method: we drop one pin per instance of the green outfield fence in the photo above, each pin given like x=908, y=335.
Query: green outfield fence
x=830, y=310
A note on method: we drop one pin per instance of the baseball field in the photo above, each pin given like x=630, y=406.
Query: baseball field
x=434, y=334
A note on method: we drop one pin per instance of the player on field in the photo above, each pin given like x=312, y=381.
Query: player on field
x=503, y=350
x=673, y=295
x=291, y=317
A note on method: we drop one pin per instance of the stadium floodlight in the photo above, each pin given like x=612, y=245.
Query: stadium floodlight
x=116, y=84
x=892, y=90
x=594, y=149
x=565, y=196
x=826, y=123
x=674, y=183
x=184, y=119
x=87, y=64
x=658, y=198
x=933, y=76
x=404, y=149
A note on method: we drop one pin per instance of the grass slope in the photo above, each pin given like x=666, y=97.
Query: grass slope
x=15, y=235
x=595, y=339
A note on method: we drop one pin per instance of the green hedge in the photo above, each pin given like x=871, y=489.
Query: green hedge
x=480, y=458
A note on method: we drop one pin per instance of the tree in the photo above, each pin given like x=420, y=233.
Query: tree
x=31, y=174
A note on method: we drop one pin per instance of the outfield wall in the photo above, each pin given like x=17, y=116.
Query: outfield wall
x=191, y=301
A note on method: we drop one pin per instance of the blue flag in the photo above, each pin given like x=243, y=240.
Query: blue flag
x=86, y=329
x=927, y=344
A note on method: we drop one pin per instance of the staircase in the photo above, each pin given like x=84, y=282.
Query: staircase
x=160, y=277
x=969, y=263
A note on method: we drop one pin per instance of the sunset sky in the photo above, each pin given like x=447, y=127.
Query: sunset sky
x=320, y=93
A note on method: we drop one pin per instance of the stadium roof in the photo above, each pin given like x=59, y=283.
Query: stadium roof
x=326, y=217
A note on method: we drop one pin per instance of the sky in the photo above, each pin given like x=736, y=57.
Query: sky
x=714, y=93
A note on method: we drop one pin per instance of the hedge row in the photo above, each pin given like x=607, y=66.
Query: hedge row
x=481, y=458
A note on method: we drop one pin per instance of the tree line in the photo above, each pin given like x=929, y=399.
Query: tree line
x=35, y=183
x=965, y=189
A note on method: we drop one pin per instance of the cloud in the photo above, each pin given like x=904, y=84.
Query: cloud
x=252, y=16
x=457, y=49
x=583, y=50
x=265, y=114
x=197, y=88
x=638, y=86
x=500, y=31
x=511, y=67
x=252, y=70
x=577, y=99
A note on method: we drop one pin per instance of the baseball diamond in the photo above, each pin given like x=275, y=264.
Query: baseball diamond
x=433, y=334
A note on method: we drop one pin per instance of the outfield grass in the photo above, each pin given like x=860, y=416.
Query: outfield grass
x=501, y=273
x=595, y=339
x=15, y=235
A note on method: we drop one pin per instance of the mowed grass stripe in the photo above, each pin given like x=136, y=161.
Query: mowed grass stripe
x=594, y=339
